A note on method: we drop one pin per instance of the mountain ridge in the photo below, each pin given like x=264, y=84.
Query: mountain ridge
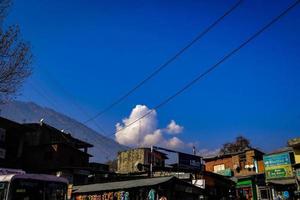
x=29, y=112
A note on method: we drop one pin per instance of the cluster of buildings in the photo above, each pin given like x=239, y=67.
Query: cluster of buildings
x=261, y=176
x=147, y=173
x=41, y=148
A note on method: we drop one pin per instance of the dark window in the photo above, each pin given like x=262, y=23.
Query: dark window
x=23, y=189
x=48, y=155
x=3, y=190
x=37, y=190
x=2, y=135
x=242, y=161
x=71, y=160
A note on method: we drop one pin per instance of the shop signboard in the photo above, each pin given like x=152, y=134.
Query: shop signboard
x=298, y=174
x=278, y=166
x=244, y=183
x=277, y=159
x=225, y=172
x=283, y=171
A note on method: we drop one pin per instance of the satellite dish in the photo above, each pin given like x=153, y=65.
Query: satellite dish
x=138, y=166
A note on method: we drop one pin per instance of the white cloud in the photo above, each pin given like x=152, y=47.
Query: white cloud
x=145, y=132
x=175, y=143
x=135, y=133
x=174, y=128
x=152, y=139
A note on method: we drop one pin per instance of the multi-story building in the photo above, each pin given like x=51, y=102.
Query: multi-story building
x=40, y=148
x=279, y=172
x=295, y=144
x=245, y=168
x=11, y=143
x=139, y=159
x=56, y=152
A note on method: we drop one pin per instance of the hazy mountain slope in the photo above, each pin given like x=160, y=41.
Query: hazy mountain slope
x=104, y=148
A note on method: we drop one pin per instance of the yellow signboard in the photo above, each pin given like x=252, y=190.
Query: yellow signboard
x=279, y=171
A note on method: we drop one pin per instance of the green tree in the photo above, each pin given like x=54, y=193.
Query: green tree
x=240, y=144
x=15, y=56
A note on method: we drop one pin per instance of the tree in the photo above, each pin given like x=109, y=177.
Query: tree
x=15, y=56
x=240, y=144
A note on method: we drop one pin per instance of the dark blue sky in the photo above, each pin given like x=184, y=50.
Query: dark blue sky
x=91, y=52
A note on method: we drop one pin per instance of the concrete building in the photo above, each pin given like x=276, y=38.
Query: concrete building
x=40, y=148
x=11, y=143
x=138, y=160
x=279, y=172
x=295, y=144
x=245, y=168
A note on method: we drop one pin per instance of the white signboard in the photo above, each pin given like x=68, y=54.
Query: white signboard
x=199, y=183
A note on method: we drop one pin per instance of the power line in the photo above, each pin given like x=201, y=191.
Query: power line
x=75, y=104
x=167, y=63
x=42, y=94
x=46, y=97
x=213, y=67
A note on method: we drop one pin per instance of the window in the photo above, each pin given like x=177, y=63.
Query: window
x=2, y=135
x=37, y=190
x=29, y=190
x=218, y=168
x=48, y=155
x=2, y=153
x=242, y=158
x=3, y=190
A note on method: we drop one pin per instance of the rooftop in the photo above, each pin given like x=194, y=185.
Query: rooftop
x=121, y=185
x=227, y=155
x=281, y=150
x=295, y=142
x=66, y=136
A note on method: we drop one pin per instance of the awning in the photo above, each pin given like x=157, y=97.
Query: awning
x=123, y=185
x=282, y=182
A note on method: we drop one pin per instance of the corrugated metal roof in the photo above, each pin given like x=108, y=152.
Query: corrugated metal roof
x=283, y=181
x=120, y=185
x=281, y=150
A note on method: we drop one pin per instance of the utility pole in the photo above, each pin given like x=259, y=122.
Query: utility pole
x=151, y=162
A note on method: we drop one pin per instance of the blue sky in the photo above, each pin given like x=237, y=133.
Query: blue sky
x=90, y=52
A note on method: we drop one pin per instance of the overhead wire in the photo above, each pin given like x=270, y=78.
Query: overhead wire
x=167, y=63
x=213, y=67
x=50, y=101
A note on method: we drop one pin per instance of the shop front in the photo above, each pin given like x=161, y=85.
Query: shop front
x=245, y=189
x=162, y=188
x=280, y=176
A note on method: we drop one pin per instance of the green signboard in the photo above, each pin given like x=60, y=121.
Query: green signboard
x=276, y=173
x=281, y=171
x=225, y=172
x=244, y=183
x=278, y=166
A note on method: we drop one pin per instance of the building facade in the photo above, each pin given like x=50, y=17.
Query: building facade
x=295, y=144
x=12, y=136
x=40, y=148
x=245, y=168
x=280, y=174
x=139, y=160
